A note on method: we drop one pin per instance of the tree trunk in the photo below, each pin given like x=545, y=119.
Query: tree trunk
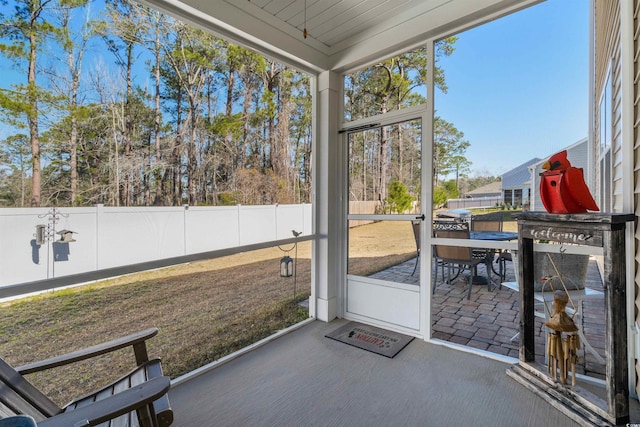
x=73, y=160
x=125, y=194
x=157, y=116
x=382, y=164
x=74, y=64
x=192, y=158
x=400, y=154
x=36, y=174
x=177, y=162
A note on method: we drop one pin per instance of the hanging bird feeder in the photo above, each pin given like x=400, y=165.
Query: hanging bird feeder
x=66, y=236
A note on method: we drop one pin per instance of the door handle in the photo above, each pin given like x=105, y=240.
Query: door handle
x=421, y=217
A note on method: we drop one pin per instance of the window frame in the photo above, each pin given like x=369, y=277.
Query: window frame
x=605, y=142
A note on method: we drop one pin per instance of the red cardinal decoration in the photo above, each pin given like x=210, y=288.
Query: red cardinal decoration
x=562, y=187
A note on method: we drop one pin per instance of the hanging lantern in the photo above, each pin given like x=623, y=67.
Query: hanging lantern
x=286, y=266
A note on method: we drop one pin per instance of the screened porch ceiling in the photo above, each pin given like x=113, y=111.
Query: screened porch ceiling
x=342, y=34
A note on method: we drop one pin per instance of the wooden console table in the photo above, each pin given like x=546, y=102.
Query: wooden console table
x=605, y=230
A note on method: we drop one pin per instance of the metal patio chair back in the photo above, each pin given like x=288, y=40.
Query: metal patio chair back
x=458, y=258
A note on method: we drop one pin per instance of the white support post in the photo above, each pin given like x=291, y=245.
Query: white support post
x=329, y=218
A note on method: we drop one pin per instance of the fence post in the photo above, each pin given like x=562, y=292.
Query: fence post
x=275, y=219
x=239, y=206
x=99, y=215
x=185, y=212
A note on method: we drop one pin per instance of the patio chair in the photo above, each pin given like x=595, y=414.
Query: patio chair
x=458, y=257
x=492, y=222
x=487, y=222
x=445, y=224
x=504, y=257
x=415, y=226
x=138, y=398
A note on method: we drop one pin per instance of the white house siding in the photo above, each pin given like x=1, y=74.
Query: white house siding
x=616, y=126
x=518, y=178
x=607, y=58
x=636, y=161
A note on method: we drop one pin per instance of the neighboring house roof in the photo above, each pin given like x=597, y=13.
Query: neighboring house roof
x=494, y=188
x=518, y=177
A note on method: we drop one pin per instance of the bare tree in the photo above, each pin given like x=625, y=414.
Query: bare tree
x=190, y=57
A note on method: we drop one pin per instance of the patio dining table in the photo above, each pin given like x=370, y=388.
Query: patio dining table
x=491, y=235
x=488, y=235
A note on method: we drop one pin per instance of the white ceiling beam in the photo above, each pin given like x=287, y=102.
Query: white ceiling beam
x=231, y=23
x=249, y=25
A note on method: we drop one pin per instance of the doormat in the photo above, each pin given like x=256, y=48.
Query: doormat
x=370, y=338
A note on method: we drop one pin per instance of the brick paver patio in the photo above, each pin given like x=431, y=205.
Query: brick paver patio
x=490, y=319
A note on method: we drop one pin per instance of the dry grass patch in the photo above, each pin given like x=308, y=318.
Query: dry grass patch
x=377, y=246
x=201, y=316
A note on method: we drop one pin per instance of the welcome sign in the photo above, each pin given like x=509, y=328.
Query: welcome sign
x=592, y=237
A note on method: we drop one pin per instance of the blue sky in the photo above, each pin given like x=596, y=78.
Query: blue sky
x=518, y=86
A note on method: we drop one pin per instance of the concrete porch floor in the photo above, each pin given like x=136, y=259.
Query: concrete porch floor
x=305, y=379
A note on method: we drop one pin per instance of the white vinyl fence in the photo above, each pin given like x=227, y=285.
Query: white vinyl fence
x=108, y=237
x=474, y=202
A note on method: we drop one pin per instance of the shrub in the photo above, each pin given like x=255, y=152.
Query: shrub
x=227, y=199
x=399, y=199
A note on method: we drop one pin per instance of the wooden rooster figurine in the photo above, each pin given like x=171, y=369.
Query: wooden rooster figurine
x=562, y=187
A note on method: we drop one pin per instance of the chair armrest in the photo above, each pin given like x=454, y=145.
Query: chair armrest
x=137, y=340
x=111, y=407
